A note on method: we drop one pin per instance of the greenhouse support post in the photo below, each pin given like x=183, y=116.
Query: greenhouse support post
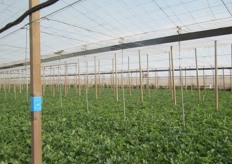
x=216, y=77
x=141, y=78
x=198, y=85
x=173, y=77
x=36, y=89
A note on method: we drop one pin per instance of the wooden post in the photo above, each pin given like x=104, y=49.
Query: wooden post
x=129, y=78
x=36, y=89
x=198, y=86
x=20, y=80
x=76, y=77
x=157, y=79
x=185, y=79
x=87, y=79
x=99, y=79
x=65, y=80
x=148, y=80
x=223, y=79
x=79, y=79
x=173, y=78
x=170, y=76
x=15, y=87
x=204, y=79
x=87, y=88
x=95, y=77
x=53, y=81
x=141, y=78
x=116, y=77
x=216, y=77
x=44, y=82
x=213, y=75
x=113, y=85
x=231, y=71
x=27, y=80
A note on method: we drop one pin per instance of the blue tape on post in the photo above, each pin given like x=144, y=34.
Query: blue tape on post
x=36, y=104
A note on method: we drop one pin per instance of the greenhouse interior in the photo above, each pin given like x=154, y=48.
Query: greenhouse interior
x=116, y=81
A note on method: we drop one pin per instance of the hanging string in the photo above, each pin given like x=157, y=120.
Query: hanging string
x=179, y=30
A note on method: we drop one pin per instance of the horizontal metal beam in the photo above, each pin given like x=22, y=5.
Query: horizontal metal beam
x=145, y=71
x=131, y=71
x=143, y=43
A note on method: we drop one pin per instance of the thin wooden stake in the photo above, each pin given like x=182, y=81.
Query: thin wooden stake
x=87, y=88
x=148, y=77
x=141, y=78
x=198, y=86
x=216, y=77
x=185, y=79
x=223, y=79
x=79, y=79
x=95, y=77
x=53, y=81
x=65, y=80
x=116, y=77
x=76, y=77
x=113, y=81
x=99, y=79
x=129, y=78
x=231, y=71
x=204, y=79
x=170, y=76
x=173, y=78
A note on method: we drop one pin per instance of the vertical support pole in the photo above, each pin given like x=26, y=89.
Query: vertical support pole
x=198, y=86
x=170, y=76
x=20, y=80
x=50, y=77
x=99, y=79
x=185, y=79
x=79, y=79
x=213, y=75
x=129, y=78
x=231, y=71
x=95, y=77
x=27, y=80
x=53, y=81
x=141, y=78
x=204, y=78
x=223, y=79
x=65, y=80
x=76, y=78
x=216, y=77
x=173, y=78
x=157, y=79
x=44, y=83
x=116, y=77
x=148, y=77
x=36, y=89
x=15, y=87
x=87, y=78
x=113, y=85
x=87, y=88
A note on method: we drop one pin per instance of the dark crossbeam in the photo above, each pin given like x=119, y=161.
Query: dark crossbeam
x=143, y=43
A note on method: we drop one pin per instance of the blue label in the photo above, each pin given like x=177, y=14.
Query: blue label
x=36, y=104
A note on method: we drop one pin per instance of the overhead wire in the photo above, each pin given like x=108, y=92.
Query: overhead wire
x=27, y=13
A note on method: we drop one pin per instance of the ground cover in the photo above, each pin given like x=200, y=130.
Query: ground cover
x=152, y=131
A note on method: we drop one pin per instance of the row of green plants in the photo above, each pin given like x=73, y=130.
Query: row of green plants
x=151, y=131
